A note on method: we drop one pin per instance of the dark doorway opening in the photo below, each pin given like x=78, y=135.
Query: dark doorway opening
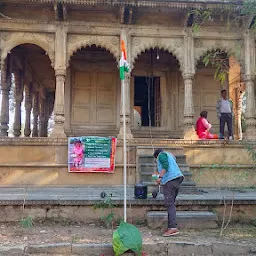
x=147, y=100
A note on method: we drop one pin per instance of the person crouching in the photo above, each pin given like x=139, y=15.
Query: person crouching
x=170, y=177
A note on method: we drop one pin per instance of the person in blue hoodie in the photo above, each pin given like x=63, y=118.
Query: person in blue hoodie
x=170, y=177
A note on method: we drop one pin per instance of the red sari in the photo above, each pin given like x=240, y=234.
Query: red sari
x=202, y=129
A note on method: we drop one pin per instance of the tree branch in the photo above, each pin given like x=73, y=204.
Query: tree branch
x=4, y=16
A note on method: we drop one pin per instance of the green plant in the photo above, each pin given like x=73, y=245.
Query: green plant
x=200, y=16
x=220, y=61
x=27, y=222
x=127, y=237
x=106, y=218
x=234, y=16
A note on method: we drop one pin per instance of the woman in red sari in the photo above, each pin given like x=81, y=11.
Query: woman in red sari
x=203, y=127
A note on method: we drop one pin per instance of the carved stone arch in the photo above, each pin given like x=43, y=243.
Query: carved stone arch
x=10, y=40
x=231, y=47
x=110, y=43
x=175, y=46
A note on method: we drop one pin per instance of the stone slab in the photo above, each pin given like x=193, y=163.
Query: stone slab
x=185, y=249
x=58, y=248
x=225, y=249
x=92, y=249
x=185, y=219
x=12, y=250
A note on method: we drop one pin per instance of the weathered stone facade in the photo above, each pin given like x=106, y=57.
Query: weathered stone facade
x=78, y=63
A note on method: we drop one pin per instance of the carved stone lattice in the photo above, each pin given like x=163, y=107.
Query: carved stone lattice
x=10, y=40
x=6, y=36
x=173, y=45
x=110, y=43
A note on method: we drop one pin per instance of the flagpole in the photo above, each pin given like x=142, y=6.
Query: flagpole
x=124, y=148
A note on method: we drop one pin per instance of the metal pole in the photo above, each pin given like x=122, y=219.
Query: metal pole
x=124, y=145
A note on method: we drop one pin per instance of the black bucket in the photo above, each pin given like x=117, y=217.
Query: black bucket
x=140, y=191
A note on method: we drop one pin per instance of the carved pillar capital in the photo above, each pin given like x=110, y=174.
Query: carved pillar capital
x=248, y=78
x=189, y=76
x=60, y=73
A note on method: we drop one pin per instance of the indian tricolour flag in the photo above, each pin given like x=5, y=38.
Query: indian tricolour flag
x=124, y=66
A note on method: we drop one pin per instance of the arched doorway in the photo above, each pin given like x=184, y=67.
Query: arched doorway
x=94, y=92
x=155, y=80
x=27, y=92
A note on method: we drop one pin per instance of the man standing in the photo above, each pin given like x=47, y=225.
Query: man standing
x=224, y=112
x=171, y=178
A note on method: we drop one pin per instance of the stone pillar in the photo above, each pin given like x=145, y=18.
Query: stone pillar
x=188, y=106
x=127, y=87
x=58, y=129
x=42, y=119
x=250, y=114
x=188, y=75
x=60, y=73
x=239, y=116
x=18, y=96
x=35, y=115
x=5, y=89
x=28, y=107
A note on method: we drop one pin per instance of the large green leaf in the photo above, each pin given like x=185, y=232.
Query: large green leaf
x=130, y=237
x=118, y=246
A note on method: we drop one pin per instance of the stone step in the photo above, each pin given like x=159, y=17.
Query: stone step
x=148, y=150
x=147, y=175
x=150, y=168
x=180, y=159
x=185, y=219
x=187, y=187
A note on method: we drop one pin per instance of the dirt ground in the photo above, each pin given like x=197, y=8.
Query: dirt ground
x=54, y=232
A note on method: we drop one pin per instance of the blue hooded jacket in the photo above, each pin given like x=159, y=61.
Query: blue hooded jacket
x=173, y=171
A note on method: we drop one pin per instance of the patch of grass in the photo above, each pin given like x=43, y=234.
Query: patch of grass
x=241, y=232
x=27, y=222
x=75, y=239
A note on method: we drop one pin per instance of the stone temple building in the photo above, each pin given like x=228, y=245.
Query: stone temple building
x=60, y=59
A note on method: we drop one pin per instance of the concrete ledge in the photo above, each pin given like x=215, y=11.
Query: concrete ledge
x=161, y=249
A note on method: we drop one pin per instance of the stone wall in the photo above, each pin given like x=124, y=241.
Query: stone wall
x=43, y=162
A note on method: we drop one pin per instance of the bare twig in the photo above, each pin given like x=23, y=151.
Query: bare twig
x=4, y=16
x=230, y=215
x=224, y=213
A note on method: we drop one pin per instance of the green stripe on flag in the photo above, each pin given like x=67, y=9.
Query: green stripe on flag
x=122, y=70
